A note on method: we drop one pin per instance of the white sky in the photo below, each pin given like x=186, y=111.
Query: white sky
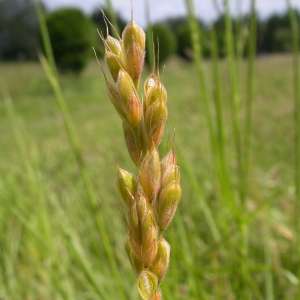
x=159, y=9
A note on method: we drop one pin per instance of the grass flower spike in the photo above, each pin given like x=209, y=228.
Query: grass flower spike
x=151, y=197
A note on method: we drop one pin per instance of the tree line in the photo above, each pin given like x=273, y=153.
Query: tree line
x=73, y=34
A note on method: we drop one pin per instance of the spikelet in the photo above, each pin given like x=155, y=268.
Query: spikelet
x=152, y=196
x=170, y=193
x=136, y=264
x=129, y=98
x=147, y=284
x=114, y=57
x=143, y=230
x=133, y=146
x=133, y=38
x=161, y=263
x=155, y=109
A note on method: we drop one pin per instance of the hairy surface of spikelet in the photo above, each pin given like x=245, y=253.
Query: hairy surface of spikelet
x=151, y=197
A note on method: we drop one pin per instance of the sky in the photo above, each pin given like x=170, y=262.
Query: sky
x=160, y=9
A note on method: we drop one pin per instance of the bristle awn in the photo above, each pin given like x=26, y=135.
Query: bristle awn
x=131, y=13
x=154, y=63
x=98, y=62
x=106, y=20
x=112, y=14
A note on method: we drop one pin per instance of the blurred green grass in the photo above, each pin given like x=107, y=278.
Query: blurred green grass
x=31, y=272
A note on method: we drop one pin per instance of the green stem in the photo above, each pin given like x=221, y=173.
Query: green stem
x=219, y=161
x=217, y=89
x=235, y=97
x=222, y=167
x=249, y=100
x=296, y=64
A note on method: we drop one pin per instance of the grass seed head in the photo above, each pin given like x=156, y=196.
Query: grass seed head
x=153, y=197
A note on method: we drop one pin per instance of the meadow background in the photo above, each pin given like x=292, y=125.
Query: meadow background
x=236, y=231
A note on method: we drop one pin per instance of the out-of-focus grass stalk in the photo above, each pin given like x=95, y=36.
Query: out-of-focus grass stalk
x=242, y=146
x=217, y=89
x=249, y=99
x=241, y=35
x=269, y=288
x=50, y=69
x=296, y=64
x=215, y=127
x=235, y=96
x=187, y=256
x=246, y=147
x=218, y=161
x=223, y=174
x=149, y=41
x=237, y=127
x=204, y=97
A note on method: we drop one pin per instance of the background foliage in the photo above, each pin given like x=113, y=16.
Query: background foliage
x=19, y=37
x=72, y=36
